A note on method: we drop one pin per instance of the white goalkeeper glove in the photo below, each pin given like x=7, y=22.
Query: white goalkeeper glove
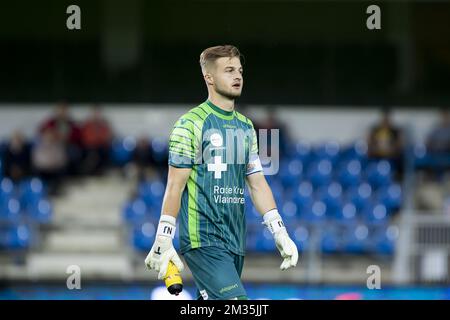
x=162, y=250
x=284, y=243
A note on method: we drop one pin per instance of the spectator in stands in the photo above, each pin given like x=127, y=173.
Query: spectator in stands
x=438, y=141
x=385, y=141
x=96, y=135
x=142, y=158
x=67, y=131
x=272, y=122
x=49, y=159
x=16, y=158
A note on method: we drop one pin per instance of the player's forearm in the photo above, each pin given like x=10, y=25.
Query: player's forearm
x=262, y=196
x=172, y=200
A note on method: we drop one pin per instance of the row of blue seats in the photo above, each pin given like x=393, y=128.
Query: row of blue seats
x=357, y=238
x=15, y=236
x=348, y=174
x=26, y=200
x=305, y=204
x=122, y=150
x=390, y=195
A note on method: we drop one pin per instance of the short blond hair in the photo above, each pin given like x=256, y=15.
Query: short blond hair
x=211, y=54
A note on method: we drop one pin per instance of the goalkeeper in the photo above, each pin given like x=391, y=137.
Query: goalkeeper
x=213, y=153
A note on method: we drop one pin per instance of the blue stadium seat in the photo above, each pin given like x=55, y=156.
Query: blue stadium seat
x=17, y=237
x=31, y=191
x=291, y=172
x=122, y=150
x=251, y=213
x=375, y=213
x=331, y=195
x=303, y=152
x=379, y=174
x=134, y=211
x=264, y=241
x=315, y=213
x=330, y=240
x=347, y=214
x=6, y=188
x=356, y=239
x=152, y=192
x=304, y=195
x=320, y=173
x=41, y=211
x=350, y=173
x=356, y=151
x=144, y=235
x=300, y=236
x=328, y=151
x=360, y=196
x=10, y=210
x=390, y=196
x=289, y=212
x=383, y=239
x=159, y=148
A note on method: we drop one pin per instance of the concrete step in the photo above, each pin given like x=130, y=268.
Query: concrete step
x=91, y=266
x=83, y=241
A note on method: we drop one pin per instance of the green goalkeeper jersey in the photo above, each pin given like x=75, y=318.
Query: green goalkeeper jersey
x=221, y=149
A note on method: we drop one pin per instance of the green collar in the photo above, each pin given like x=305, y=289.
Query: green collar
x=215, y=108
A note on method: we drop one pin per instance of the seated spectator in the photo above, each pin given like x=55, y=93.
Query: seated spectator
x=96, y=135
x=68, y=132
x=385, y=141
x=49, y=159
x=438, y=141
x=16, y=158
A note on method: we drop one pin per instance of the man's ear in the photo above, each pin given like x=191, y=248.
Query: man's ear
x=209, y=79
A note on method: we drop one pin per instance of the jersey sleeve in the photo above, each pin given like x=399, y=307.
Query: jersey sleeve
x=254, y=163
x=183, y=144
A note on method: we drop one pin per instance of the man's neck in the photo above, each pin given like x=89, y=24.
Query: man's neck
x=222, y=102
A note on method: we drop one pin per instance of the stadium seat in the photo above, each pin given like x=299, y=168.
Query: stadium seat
x=346, y=214
x=304, y=196
x=356, y=239
x=328, y=151
x=17, y=237
x=41, y=211
x=144, y=236
x=330, y=240
x=375, y=212
x=391, y=197
x=31, y=191
x=264, y=241
x=320, y=173
x=289, y=212
x=360, y=195
x=379, y=174
x=303, y=152
x=350, y=173
x=134, y=211
x=356, y=151
x=314, y=213
x=383, y=239
x=331, y=195
x=290, y=173
x=300, y=236
x=10, y=210
x=152, y=192
x=122, y=149
x=159, y=148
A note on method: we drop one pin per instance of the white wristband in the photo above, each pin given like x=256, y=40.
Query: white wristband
x=273, y=221
x=166, y=226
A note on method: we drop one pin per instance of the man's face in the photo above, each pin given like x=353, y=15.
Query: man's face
x=227, y=77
